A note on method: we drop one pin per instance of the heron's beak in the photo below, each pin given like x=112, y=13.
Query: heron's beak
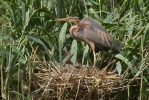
x=63, y=19
x=67, y=20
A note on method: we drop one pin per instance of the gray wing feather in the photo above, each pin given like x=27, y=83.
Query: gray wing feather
x=100, y=37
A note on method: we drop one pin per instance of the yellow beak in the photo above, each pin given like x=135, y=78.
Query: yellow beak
x=69, y=19
x=63, y=19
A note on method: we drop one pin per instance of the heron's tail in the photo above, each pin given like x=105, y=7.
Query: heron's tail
x=117, y=46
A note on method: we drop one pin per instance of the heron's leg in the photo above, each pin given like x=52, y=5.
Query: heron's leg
x=95, y=60
x=92, y=45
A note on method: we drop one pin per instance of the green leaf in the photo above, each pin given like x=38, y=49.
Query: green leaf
x=119, y=67
x=5, y=56
x=27, y=18
x=85, y=53
x=147, y=9
x=95, y=3
x=14, y=59
x=119, y=56
x=23, y=4
x=7, y=7
x=61, y=40
x=17, y=93
x=40, y=42
x=74, y=49
x=130, y=25
x=61, y=8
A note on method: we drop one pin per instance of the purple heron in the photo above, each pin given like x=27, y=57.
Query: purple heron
x=93, y=34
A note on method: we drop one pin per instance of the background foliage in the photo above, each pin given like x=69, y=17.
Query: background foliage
x=28, y=33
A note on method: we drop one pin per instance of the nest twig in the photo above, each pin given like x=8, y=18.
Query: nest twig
x=76, y=83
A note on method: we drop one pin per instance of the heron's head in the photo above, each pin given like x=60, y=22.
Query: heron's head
x=74, y=20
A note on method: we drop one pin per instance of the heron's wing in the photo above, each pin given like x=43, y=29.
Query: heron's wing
x=93, y=23
x=100, y=37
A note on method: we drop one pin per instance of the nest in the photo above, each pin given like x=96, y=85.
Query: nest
x=77, y=82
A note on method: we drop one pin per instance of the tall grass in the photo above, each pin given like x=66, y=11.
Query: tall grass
x=27, y=34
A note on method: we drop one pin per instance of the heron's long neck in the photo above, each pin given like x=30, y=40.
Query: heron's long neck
x=73, y=30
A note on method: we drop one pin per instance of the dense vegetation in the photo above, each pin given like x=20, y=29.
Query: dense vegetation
x=28, y=33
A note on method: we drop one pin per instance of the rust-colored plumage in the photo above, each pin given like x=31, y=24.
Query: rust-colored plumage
x=93, y=34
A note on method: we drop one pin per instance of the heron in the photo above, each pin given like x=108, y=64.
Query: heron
x=93, y=34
